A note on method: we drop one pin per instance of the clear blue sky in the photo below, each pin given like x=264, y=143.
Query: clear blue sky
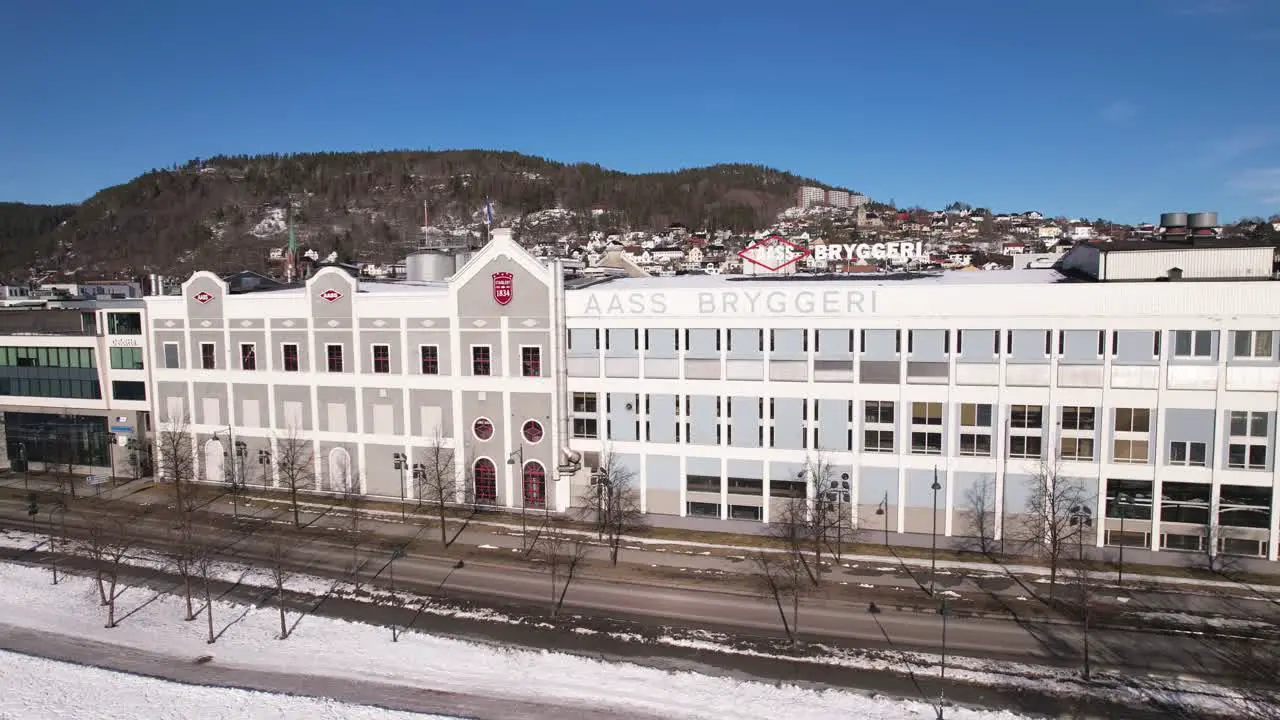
x=1094, y=108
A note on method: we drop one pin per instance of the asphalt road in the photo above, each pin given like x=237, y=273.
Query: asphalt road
x=826, y=620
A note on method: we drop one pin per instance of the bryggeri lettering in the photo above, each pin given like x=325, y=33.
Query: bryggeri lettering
x=734, y=302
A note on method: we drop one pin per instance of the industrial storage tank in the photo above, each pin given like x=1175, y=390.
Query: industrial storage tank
x=1202, y=220
x=1173, y=220
x=429, y=266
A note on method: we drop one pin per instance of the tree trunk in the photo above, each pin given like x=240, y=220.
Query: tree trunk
x=208, y=602
x=102, y=589
x=284, y=629
x=553, y=589
x=293, y=499
x=186, y=591
x=111, y=603
x=355, y=566
x=444, y=530
x=795, y=615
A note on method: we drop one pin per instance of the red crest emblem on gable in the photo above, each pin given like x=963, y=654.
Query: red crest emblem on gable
x=331, y=295
x=503, y=287
x=203, y=297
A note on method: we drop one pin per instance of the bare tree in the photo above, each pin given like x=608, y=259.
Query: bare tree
x=437, y=481
x=176, y=449
x=280, y=574
x=1086, y=599
x=203, y=554
x=784, y=578
x=110, y=541
x=183, y=552
x=1057, y=509
x=295, y=459
x=979, y=510
x=831, y=510
x=348, y=486
x=562, y=555
x=612, y=502
x=1211, y=556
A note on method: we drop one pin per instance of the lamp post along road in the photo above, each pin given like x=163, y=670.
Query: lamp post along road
x=401, y=463
x=884, y=510
x=944, y=610
x=516, y=458
x=1122, y=507
x=1080, y=517
x=933, y=551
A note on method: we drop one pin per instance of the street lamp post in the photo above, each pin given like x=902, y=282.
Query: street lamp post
x=237, y=476
x=1122, y=507
x=944, y=610
x=1081, y=518
x=884, y=510
x=401, y=463
x=516, y=458
x=419, y=479
x=26, y=466
x=264, y=462
x=933, y=551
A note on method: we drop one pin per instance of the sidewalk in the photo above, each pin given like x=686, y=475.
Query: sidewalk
x=503, y=534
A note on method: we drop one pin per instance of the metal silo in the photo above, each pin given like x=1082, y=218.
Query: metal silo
x=429, y=266
x=1173, y=220
x=1202, y=220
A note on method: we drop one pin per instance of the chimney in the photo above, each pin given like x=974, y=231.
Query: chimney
x=1175, y=274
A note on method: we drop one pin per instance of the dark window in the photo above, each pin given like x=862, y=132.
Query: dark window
x=128, y=390
x=535, y=485
x=430, y=360
x=702, y=483
x=585, y=428
x=486, y=482
x=483, y=429
x=532, y=431
x=208, y=356
x=701, y=509
x=584, y=402
x=120, y=323
x=480, y=360
x=126, y=358
x=333, y=356
x=172, y=358
x=382, y=359
x=290, y=353
x=248, y=356
x=531, y=361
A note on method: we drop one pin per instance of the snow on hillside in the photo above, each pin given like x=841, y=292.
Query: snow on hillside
x=273, y=224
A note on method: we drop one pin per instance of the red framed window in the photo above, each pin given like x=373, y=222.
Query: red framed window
x=482, y=428
x=333, y=356
x=289, y=352
x=248, y=356
x=535, y=485
x=382, y=359
x=531, y=361
x=486, y=478
x=481, y=360
x=532, y=431
x=430, y=360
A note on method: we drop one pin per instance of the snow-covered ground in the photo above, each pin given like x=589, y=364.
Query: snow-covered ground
x=89, y=693
x=324, y=648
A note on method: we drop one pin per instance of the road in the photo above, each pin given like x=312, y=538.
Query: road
x=830, y=620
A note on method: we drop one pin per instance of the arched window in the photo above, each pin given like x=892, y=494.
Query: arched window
x=214, y=461
x=486, y=479
x=535, y=485
x=340, y=471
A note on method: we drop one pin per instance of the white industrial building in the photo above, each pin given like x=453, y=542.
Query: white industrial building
x=1159, y=397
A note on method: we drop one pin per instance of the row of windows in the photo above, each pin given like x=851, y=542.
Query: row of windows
x=51, y=388
x=126, y=358
x=1246, y=344
x=47, y=357
x=380, y=358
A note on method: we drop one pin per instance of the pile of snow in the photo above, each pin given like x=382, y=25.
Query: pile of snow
x=273, y=224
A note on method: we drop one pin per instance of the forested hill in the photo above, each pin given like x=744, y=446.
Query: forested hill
x=227, y=213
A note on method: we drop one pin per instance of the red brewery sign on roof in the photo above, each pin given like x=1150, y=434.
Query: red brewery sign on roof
x=203, y=297
x=331, y=295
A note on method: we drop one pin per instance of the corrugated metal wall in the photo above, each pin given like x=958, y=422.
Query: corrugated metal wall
x=1198, y=263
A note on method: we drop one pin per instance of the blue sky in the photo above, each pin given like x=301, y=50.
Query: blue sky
x=1090, y=108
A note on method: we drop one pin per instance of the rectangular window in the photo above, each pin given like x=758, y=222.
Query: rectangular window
x=127, y=358
x=382, y=359
x=1024, y=446
x=208, y=356
x=248, y=356
x=701, y=509
x=926, y=443
x=879, y=411
x=1076, y=449
x=1187, y=453
x=124, y=323
x=333, y=358
x=128, y=390
x=531, y=361
x=1137, y=420
x=1026, y=417
x=1131, y=451
x=585, y=427
x=172, y=357
x=585, y=402
x=1248, y=449
x=289, y=352
x=1248, y=424
x=1077, y=418
x=481, y=362
x=975, y=415
x=926, y=413
x=430, y=357
x=877, y=441
x=1246, y=456
x=1193, y=343
x=1252, y=344
x=975, y=445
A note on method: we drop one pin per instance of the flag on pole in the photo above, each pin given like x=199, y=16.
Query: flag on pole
x=488, y=213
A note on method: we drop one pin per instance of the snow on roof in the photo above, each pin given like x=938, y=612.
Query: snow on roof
x=1022, y=276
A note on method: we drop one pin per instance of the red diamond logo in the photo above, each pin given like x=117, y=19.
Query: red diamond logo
x=774, y=253
x=331, y=295
x=203, y=297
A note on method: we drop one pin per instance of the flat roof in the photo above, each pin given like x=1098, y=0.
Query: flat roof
x=1022, y=276
x=1232, y=243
